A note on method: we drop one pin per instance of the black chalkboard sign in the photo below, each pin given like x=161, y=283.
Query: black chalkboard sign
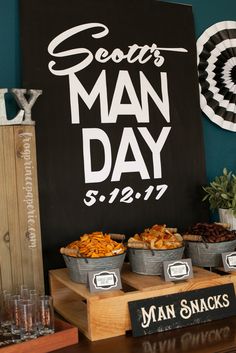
x=118, y=126
x=182, y=309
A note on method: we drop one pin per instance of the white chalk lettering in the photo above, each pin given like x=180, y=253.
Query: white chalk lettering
x=135, y=53
x=148, y=316
x=139, y=109
x=125, y=100
x=122, y=165
x=226, y=302
x=201, y=304
x=128, y=139
x=28, y=188
x=89, y=174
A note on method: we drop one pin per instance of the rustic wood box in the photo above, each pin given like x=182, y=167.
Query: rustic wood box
x=64, y=336
x=104, y=315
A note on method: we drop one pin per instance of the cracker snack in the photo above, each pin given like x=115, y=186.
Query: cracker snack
x=94, y=245
x=157, y=237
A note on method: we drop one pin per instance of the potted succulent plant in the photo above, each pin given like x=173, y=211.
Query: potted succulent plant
x=221, y=194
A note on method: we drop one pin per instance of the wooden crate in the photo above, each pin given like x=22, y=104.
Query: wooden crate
x=20, y=236
x=103, y=315
x=65, y=335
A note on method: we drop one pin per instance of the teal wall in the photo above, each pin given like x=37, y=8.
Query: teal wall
x=9, y=44
x=220, y=145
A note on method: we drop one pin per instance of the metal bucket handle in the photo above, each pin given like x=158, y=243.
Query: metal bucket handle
x=152, y=251
x=205, y=242
x=116, y=236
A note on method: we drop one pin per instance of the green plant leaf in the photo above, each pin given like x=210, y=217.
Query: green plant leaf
x=221, y=192
x=224, y=196
x=225, y=172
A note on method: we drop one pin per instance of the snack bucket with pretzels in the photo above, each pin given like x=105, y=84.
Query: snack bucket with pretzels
x=93, y=252
x=148, y=250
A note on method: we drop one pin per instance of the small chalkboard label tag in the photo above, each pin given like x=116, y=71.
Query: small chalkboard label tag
x=182, y=309
x=177, y=270
x=229, y=261
x=104, y=280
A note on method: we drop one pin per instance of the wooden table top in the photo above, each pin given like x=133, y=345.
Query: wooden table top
x=214, y=337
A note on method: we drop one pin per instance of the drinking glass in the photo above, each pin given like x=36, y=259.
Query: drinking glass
x=24, y=291
x=5, y=313
x=46, y=315
x=34, y=297
x=15, y=317
x=33, y=292
x=1, y=311
x=28, y=327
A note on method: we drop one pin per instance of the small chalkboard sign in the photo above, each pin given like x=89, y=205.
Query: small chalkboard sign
x=104, y=280
x=182, y=309
x=177, y=270
x=229, y=261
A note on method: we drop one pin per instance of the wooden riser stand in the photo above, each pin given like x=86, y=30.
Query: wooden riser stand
x=104, y=315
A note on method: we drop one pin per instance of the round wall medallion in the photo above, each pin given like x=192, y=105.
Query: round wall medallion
x=216, y=49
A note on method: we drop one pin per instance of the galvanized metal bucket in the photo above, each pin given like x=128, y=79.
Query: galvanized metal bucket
x=150, y=262
x=208, y=254
x=80, y=266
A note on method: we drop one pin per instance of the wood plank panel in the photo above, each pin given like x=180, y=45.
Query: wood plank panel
x=5, y=258
x=27, y=194
x=20, y=234
x=12, y=206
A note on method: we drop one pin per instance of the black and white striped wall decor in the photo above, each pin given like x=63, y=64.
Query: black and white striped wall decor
x=216, y=49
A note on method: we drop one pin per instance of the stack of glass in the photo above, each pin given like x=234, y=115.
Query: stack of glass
x=25, y=315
